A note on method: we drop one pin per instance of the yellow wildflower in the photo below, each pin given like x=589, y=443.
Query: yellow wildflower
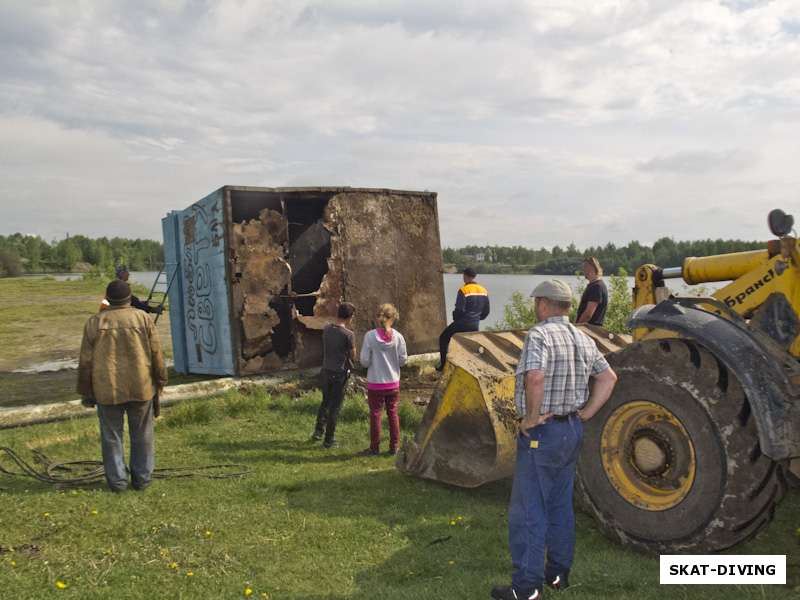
x=452, y=522
x=61, y=585
x=189, y=574
x=46, y=515
x=94, y=511
x=248, y=591
x=13, y=563
x=173, y=565
x=208, y=534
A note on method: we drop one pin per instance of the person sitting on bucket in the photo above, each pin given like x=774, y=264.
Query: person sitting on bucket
x=552, y=399
x=472, y=307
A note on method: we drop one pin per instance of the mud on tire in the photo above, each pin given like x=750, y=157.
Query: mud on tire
x=735, y=488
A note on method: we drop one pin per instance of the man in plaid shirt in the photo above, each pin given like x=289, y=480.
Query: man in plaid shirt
x=553, y=399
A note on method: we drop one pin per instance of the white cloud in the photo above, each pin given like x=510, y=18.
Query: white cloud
x=537, y=122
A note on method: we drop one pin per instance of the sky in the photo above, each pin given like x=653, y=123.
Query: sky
x=538, y=123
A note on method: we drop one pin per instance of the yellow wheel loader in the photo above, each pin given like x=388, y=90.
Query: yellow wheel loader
x=690, y=453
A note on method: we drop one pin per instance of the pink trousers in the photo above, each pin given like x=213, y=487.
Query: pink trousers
x=377, y=400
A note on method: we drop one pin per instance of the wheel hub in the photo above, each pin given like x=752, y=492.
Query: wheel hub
x=647, y=455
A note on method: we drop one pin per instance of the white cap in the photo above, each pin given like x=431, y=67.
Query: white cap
x=553, y=289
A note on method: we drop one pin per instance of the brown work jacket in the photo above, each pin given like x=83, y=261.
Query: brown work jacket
x=121, y=359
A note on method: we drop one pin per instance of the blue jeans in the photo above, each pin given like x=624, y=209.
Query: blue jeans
x=540, y=517
x=140, y=427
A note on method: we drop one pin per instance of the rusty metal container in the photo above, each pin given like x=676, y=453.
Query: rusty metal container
x=258, y=272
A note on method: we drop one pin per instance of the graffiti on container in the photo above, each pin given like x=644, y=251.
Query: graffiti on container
x=201, y=231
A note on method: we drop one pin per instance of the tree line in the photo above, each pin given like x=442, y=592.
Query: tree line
x=21, y=254
x=31, y=254
x=665, y=252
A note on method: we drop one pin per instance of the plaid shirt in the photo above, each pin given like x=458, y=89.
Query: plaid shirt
x=568, y=358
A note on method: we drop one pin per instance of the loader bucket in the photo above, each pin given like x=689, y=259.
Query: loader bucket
x=467, y=434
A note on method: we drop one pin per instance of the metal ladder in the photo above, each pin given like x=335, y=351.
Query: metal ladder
x=161, y=293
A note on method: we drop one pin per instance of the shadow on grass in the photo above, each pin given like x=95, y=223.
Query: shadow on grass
x=285, y=451
x=438, y=559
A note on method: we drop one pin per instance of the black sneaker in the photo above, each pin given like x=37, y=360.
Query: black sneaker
x=331, y=444
x=392, y=452
x=507, y=592
x=369, y=452
x=316, y=436
x=559, y=582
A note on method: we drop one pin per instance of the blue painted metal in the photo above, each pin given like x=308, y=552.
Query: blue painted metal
x=172, y=265
x=202, y=339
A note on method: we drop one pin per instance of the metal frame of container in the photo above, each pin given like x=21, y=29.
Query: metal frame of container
x=207, y=338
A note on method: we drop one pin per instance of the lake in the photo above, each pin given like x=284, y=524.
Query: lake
x=500, y=288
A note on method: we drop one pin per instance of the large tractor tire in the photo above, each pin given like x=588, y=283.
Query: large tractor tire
x=672, y=463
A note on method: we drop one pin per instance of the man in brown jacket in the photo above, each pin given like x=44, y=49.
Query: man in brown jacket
x=122, y=370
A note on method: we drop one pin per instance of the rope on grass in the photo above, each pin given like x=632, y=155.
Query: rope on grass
x=76, y=473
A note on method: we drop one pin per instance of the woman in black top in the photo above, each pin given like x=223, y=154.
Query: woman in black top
x=594, y=300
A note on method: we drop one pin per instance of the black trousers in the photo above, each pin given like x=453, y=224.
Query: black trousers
x=452, y=329
x=333, y=383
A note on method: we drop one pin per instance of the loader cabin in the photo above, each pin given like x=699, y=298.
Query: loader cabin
x=258, y=272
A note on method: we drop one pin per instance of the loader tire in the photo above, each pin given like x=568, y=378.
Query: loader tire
x=672, y=463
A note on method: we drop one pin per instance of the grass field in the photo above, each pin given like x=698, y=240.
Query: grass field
x=42, y=320
x=308, y=523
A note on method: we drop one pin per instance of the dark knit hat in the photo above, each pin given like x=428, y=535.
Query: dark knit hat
x=118, y=293
x=470, y=272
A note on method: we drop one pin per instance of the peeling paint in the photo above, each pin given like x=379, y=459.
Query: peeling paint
x=296, y=253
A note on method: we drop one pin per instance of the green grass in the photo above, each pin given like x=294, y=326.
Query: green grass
x=308, y=524
x=42, y=319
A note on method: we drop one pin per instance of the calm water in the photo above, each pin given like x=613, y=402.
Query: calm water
x=500, y=288
x=145, y=278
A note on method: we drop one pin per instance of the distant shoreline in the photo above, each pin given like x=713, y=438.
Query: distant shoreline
x=503, y=270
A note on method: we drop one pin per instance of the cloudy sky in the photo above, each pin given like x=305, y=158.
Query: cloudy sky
x=538, y=123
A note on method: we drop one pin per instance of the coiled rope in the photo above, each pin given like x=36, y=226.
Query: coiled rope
x=76, y=473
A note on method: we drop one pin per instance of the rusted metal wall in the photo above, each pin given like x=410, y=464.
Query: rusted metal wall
x=390, y=252
x=293, y=254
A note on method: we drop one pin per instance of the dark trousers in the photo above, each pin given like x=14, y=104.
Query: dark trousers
x=541, y=522
x=140, y=428
x=378, y=400
x=333, y=383
x=452, y=329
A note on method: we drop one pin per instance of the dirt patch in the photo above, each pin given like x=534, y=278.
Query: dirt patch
x=19, y=389
x=29, y=550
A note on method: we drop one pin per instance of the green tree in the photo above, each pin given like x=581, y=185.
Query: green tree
x=10, y=264
x=620, y=303
x=67, y=254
